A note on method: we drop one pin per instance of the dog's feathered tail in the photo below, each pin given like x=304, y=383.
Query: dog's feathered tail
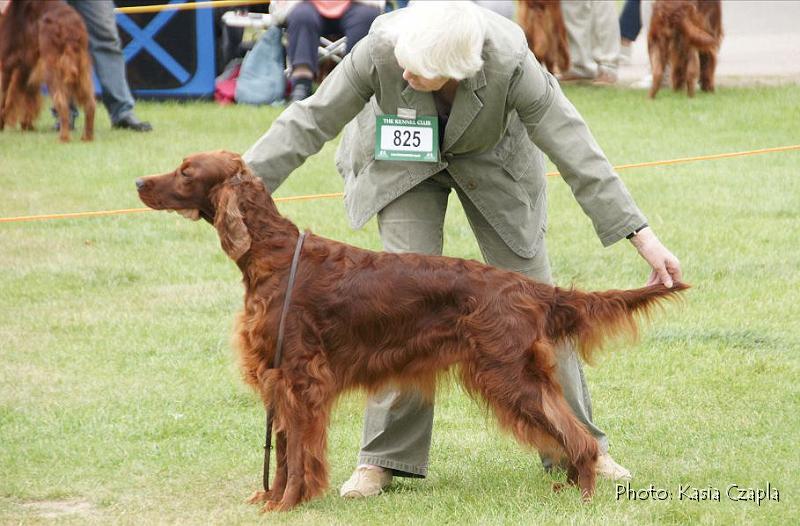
x=589, y=318
x=698, y=37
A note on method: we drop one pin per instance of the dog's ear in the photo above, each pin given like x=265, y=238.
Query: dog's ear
x=233, y=234
x=236, y=165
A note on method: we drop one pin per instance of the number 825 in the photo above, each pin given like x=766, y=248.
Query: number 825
x=406, y=138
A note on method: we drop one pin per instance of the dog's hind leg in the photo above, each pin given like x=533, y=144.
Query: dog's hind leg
x=526, y=399
x=32, y=107
x=85, y=97
x=12, y=95
x=61, y=104
x=5, y=83
x=692, y=72
x=580, y=447
x=679, y=67
x=708, y=63
x=707, y=66
x=658, y=62
x=87, y=101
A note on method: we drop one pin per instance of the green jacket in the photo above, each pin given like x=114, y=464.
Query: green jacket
x=501, y=121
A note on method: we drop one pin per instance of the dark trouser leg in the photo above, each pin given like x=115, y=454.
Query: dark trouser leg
x=356, y=21
x=106, y=49
x=303, y=28
x=630, y=20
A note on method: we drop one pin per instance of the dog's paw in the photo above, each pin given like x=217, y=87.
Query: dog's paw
x=586, y=496
x=558, y=487
x=272, y=505
x=258, y=497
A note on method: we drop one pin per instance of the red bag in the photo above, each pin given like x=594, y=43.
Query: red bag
x=225, y=85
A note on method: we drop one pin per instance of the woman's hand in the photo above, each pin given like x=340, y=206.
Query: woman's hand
x=666, y=267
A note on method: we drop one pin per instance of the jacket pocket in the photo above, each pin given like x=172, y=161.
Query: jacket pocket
x=526, y=168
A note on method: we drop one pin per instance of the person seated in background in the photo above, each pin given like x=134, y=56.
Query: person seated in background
x=307, y=21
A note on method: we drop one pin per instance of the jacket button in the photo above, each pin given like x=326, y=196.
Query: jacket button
x=448, y=155
x=471, y=185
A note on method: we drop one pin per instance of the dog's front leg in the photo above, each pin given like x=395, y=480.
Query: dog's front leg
x=276, y=492
x=292, y=470
x=279, y=486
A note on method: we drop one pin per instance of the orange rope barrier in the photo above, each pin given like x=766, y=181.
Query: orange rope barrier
x=188, y=6
x=74, y=215
x=340, y=194
x=701, y=158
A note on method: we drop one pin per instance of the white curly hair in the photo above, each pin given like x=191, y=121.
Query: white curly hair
x=440, y=39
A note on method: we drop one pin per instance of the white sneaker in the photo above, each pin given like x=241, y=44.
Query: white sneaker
x=366, y=482
x=643, y=83
x=608, y=469
x=647, y=81
x=625, y=54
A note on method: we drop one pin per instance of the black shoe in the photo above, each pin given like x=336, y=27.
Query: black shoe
x=301, y=90
x=130, y=122
x=57, y=125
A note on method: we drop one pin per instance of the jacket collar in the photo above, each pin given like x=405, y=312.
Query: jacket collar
x=466, y=106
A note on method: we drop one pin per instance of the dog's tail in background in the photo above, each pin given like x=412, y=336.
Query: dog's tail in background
x=699, y=38
x=590, y=318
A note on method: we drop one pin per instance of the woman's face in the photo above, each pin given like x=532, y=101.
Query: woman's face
x=420, y=83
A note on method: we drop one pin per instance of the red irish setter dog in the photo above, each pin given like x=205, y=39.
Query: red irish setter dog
x=687, y=34
x=544, y=28
x=44, y=41
x=363, y=319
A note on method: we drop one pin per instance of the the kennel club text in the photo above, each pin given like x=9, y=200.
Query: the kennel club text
x=688, y=492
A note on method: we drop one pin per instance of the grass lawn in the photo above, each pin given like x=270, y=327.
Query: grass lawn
x=120, y=400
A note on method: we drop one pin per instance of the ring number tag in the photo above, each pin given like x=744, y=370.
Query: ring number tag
x=407, y=139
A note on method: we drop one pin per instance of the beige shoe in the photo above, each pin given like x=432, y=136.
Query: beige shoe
x=572, y=78
x=607, y=468
x=366, y=482
x=605, y=78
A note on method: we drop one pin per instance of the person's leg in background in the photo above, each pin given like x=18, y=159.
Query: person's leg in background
x=355, y=22
x=630, y=25
x=578, y=20
x=605, y=41
x=109, y=62
x=593, y=36
x=398, y=426
x=303, y=28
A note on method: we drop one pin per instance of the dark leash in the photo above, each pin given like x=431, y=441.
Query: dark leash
x=276, y=361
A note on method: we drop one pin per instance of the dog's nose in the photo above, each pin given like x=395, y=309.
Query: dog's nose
x=139, y=183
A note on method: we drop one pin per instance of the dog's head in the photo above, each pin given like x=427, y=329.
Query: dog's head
x=205, y=185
